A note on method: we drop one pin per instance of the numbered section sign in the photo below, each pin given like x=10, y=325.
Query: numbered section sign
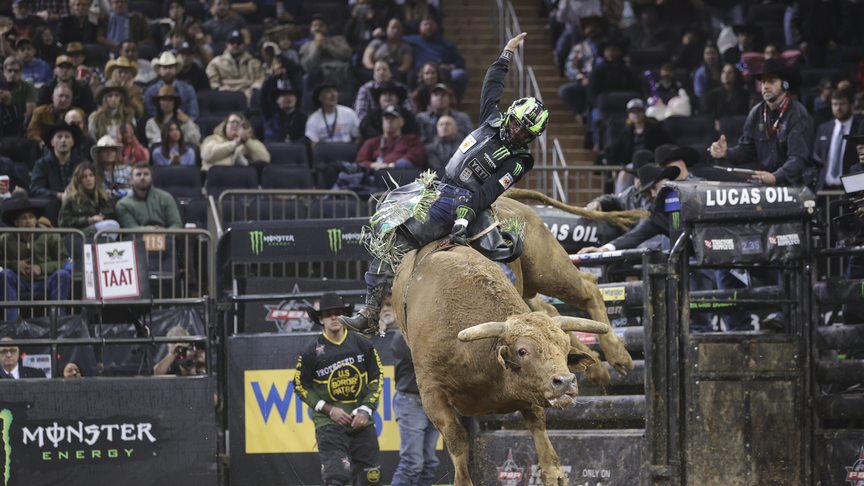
x=117, y=270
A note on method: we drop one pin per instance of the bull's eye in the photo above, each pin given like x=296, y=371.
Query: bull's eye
x=523, y=352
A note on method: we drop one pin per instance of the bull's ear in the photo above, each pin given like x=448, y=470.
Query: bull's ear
x=578, y=361
x=505, y=358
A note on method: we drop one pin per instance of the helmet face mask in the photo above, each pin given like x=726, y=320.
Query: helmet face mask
x=524, y=121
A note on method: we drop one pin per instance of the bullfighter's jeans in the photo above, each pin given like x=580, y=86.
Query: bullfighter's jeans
x=57, y=287
x=418, y=437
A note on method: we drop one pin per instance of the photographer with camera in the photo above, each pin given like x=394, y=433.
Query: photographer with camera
x=849, y=227
x=184, y=359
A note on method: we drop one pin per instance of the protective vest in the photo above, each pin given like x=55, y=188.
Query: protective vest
x=479, y=156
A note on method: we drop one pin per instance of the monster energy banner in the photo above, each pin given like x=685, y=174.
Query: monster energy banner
x=705, y=200
x=575, y=233
x=299, y=241
x=108, y=431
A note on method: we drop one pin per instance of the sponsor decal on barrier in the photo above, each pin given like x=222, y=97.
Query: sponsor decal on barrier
x=510, y=474
x=855, y=473
x=117, y=270
x=613, y=293
x=337, y=238
x=289, y=316
x=579, y=233
x=672, y=203
x=277, y=421
x=784, y=240
x=755, y=195
x=586, y=338
x=722, y=244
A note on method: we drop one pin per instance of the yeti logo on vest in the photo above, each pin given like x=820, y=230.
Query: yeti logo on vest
x=478, y=169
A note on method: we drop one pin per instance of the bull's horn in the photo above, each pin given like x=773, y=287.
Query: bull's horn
x=582, y=325
x=484, y=331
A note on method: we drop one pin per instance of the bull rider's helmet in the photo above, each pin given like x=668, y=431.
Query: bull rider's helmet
x=524, y=121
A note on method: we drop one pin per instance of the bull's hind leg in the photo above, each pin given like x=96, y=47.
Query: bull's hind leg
x=550, y=466
x=441, y=413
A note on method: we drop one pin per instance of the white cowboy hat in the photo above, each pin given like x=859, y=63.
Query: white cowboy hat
x=166, y=59
x=107, y=141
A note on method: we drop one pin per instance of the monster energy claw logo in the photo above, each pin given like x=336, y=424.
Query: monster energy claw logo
x=257, y=241
x=517, y=170
x=675, y=221
x=335, y=235
x=5, y=425
x=500, y=153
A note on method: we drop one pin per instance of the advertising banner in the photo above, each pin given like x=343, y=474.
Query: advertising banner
x=117, y=270
x=299, y=241
x=575, y=233
x=271, y=429
x=288, y=315
x=108, y=431
x=758, y=242
x=710, y=200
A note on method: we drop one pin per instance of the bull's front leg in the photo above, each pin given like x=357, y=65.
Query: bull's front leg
x=441, y=413
x=550, y=466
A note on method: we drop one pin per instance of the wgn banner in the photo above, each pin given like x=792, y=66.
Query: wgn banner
x=298, y=241
x=108, y=431
x=272, y=437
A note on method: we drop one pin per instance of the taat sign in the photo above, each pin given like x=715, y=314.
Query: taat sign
x=117, y=270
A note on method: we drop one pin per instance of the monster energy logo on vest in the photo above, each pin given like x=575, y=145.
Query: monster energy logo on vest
x=500, y=153
x=257, y=238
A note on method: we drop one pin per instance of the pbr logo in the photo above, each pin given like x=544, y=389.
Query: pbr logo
x=855, y=474
x=510, y=474
x=290, y=316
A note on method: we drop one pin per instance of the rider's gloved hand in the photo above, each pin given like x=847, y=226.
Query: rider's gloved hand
x=459, y=233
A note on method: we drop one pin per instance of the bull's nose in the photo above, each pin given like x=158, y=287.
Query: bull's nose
x=564, y=384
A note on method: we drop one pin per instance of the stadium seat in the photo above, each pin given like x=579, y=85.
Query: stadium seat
x=147, y=51
x=218, y=48
x=733, y=128
x=690, y=130
x=768, y=12
x=194, y=9
x=280, y=209
x=288, y=153
x=221, y=103
x=773, y=32
x=286, y=177
x=647, y=58
x=325, y=159
x=196, y=212
x=615, y=102
x=240, y=208
x=151, y=10
x=98, y=55
x=401, y=176
x=181, y=181
x=221, y=178
x=333, y=208
x=812, y=76
x=851, y=54
x=208, y=123
x=255, y=33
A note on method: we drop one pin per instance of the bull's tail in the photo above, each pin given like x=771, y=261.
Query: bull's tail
x=623, y=219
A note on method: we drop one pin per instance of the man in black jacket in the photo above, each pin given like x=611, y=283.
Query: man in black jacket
x=488, y=162
x=11, y=367
x=64, y=70
x=837, y=155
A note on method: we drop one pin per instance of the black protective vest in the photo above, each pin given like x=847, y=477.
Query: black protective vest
x=479, y=156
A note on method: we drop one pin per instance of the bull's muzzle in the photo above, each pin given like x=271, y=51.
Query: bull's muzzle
x=564, y=384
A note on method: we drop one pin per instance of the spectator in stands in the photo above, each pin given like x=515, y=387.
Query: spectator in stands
x=35, y=70
x=64, y=69
x=11, y=120
x=190, y=72
x=580, y=64
x=788, y=124
x=75, y=116
x=224, y=23
x=830, y=147
x=147, y=206
x=748, y=41
x=47, y=48
x=729, y=99
x=32, y=261
x=650, y=31
x=328, y=52
x=8, y=168
x=755, y=60
x=414, y=12
x=233, y=143
x=183, y=359
x=91, y=76
x=121, y=25
x=176, y=19
x=631, y=197
x=167, y=67
x=707, y=77
x=821, y=26
x=53, y=172
x=388, y=46
x=827, y=86
x=689, y=54
x=431, y=46
x=440, y=106
x=393, y=148
x=611, y=75
x=667, y=86
x=236, y=69
x=47, y=115
x=427, y=78
x=444, y=145
x=112, y=113
x=283, y=36
x=640, y=133
x=24, y=94
x=77, y=27
x=366, y=101
x=121, y=73
x=87, y=206
x=345, y=126
x=9, y=355
x=146, y=72
x=113, y=174
x=174, y=38
x=387, y=93
x=72, y=370
x=173, y=149
x=344, y=423
x=282, y=121
x=168, y=108
x=571, y=12
x=365, y=19
x=24, y=23
x=133, y=152
x=202, y=44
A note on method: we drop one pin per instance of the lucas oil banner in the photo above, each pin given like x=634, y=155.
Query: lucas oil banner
x=271, y=429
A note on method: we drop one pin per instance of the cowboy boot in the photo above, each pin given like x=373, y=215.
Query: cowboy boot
x=365, y=322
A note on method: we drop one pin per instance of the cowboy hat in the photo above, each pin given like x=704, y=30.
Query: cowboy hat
x=165, y=59
x=105, y=89
x=74, y=47
x=283, y=86
x=49, y=131
x=63, y=59
x=166, y=92
x=329, y=301
x=640, y=159
x=667, y=153
x=121, y=62
x=17, y=207
x=290, y=29
x=389, y=86
x=651, y=174
x=106, y=142
x=777, y=68
x=325, y=83
x=603, y=23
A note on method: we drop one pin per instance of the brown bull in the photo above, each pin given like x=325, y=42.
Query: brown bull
x=477, y=349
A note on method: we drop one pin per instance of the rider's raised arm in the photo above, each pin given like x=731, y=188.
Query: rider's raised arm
x=493, y=83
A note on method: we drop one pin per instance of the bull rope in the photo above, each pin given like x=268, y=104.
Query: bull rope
x=623, y=219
